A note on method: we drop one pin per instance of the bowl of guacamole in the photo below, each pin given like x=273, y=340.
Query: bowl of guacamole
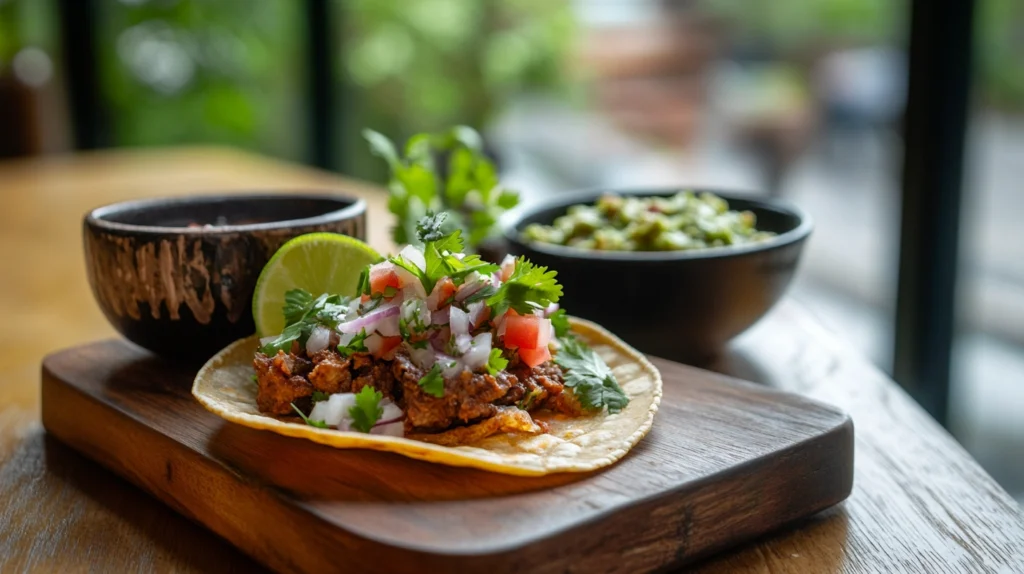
x=676, y=272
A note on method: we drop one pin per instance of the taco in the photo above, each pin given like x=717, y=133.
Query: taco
x=444, y=357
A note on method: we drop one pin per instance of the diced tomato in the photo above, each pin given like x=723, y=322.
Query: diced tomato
x=534, y=357
x=445, y=290
x=383, y=276
x=388, y=346
x=527, y=331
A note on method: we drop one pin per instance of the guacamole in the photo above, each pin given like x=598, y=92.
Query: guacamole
x=680, y=222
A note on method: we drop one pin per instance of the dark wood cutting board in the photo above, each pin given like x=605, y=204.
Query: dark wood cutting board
x=725, y=462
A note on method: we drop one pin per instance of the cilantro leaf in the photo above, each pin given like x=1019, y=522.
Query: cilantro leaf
x=283, y=342
x=484, y=292
x=496, y=362
x=297, y=303
x=590, y=379
x=560, y=321
x=530, y=287
x=429, y=228
x=432, y=383
x=310, y=422
x=356, y=345
x=367, y=410
x=319, y=396
x=363, y=288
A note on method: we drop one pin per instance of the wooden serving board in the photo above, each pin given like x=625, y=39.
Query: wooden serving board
x=726, y=461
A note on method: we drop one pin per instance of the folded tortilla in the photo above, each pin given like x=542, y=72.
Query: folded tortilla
x=574, y=444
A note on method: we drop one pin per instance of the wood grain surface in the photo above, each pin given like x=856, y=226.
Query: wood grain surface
x=919, y=504
x=725, y=462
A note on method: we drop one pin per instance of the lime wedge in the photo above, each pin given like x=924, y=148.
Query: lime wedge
x=317, y=262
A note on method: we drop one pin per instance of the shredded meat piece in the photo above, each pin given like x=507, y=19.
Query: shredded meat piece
x=281, y=382
x=331, y=373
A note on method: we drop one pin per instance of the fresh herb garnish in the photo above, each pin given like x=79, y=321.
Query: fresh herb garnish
x=439, y=250
x=590, y=379
x=320, y=396
x=432, y=383
x=496, y=362
x=302, y=313
x=356, y=345
x=310, y=422
x=367, y=410
x=530, y=287
x=560, y=321
x=469, y=190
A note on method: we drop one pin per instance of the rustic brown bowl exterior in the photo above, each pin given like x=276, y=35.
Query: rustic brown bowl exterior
x=184, y=290
x=680, y=305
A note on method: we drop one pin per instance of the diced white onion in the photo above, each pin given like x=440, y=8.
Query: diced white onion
x=265, y=340
x=318, y=339
x=479, y=352
x=370, y=320
x=424, y=358
x=458, y=320
x=334, y=411
x=346, y=338
x=373, y=343
x=439, y=317
x=508, y=265
x=463, y=342
x=391, y=410
x=451, y=367
x=413, y=255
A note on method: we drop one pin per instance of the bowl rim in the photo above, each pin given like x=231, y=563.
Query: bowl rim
x=95, y=217
x=514, y=218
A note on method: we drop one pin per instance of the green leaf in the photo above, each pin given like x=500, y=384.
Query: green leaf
x=530, y=287
x=381, y=146
x=432, y=383
x=484, y=292
x=590, y=379
x=496, y=362
x=319, y=396
x=283, y=342
x=367, y=410
x=430, y=228
x=508, y=199
x=356, y=345
x=297, y=302
x=312, y=423
x=468, y=137
x=560, y=321
x=363, y=288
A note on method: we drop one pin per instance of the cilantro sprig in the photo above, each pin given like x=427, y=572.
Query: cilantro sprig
x=496, y=362
x=440, y=248
x=467, y=187
x=530, y=287
x=367, y=410
x=309, y=421
x=302, y=313
x=590, y=379
x=432, y=383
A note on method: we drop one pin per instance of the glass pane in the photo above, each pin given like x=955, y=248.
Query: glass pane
x=191, y=71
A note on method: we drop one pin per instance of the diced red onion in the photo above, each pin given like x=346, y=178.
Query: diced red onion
x=439, y=339
x=413, y=255
x=550, y=309
x=544, y=332
x=439, y=317
x=370, y=320
x=508, y=266
x=396, y=428
x=318, y=339
x=477, y=313
x=458, y=320
x=388, y=326
x=473, y=284
x=499, y=325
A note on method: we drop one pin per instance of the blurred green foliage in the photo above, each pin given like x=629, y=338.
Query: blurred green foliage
x=421, y=66
x=1000, y=52
x=230, y=71
x=25, y=23
x=793, y=24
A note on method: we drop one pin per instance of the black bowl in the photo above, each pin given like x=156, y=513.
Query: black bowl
x=176, y=276
x=681, y=305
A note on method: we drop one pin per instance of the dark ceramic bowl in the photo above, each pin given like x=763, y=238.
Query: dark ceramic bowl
x=176, y=276
x=681, y=305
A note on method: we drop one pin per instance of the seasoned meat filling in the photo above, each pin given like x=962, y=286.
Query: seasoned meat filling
x=469, y=397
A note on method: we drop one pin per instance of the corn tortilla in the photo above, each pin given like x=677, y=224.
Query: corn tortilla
x=574, y=444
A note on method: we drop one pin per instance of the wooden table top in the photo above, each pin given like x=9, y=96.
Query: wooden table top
x=920, y=502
